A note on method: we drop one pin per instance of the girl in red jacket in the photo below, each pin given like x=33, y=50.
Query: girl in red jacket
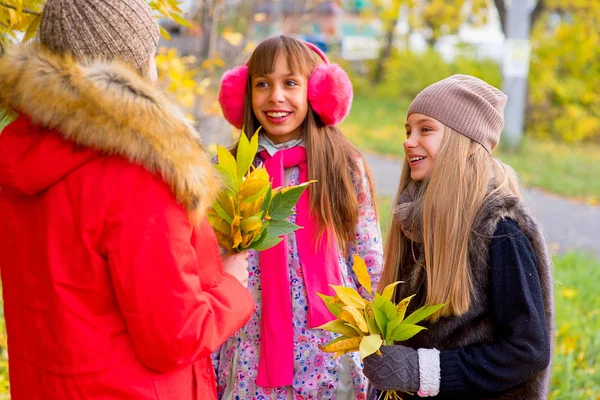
x=112, y=280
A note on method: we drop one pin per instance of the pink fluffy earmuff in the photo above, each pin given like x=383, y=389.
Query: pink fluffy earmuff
x=329, y=92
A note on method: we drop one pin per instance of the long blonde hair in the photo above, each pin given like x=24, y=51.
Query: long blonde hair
x=332, y=159
x=455, y=191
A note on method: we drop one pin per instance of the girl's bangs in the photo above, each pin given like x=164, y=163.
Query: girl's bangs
x=301, y=60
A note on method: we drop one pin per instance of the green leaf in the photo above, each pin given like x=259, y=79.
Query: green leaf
x=219, y=224
x=227, y=180
x=380, y=319
x=228, y=165
x=251, y=223
x=334, y=305
x=384, y=311
x=276, y=209
x=266, y=202
x=390, y=310
x=266, y=243
x=281, y=227
x=227, y=205
x=222, y=213
x=291, y=194
x=423, y=313
x=405, y=331
x=283, y=202
x=356, y=328
x=392, y=324
x=261, y=238
x=369, y=345
x=338, y=326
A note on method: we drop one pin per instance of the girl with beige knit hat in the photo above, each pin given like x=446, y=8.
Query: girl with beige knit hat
x=461, y=235
x=112, y=280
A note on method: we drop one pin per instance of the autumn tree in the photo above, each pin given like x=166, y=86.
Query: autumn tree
x=564, y=101
x=502, y=13
x=20, y=19
x=432, y=18
x=389, y=17
x=437, y=18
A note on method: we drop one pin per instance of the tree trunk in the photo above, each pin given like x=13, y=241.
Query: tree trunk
x=206, y=19
x=386, y=51
x=214, y=32
x=501, y=13
x=431, y=42
x=535, y=15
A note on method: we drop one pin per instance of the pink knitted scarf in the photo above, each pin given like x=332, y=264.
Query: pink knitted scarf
x=320, y=268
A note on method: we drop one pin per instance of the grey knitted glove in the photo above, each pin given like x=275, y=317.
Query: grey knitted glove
x=397, y=369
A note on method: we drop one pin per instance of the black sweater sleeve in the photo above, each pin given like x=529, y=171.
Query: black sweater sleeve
x=517, y=310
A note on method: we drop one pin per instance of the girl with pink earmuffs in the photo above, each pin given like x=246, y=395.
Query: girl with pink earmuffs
x=289, y=88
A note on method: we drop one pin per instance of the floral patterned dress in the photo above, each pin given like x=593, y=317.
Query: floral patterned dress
x=317, y=375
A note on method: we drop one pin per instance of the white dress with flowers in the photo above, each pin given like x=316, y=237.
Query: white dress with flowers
x=317, y=375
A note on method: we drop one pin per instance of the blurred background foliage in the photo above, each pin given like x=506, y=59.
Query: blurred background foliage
x=212, y=35
x=392, y=49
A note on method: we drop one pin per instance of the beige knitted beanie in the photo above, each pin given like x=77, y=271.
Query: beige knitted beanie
x=124, y=29
x=466, y=104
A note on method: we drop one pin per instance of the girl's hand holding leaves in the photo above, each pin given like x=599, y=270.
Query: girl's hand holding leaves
x=249, y=213
x=367, y=323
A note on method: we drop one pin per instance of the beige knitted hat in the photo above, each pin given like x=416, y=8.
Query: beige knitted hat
x=466, y=104
x=124, y=29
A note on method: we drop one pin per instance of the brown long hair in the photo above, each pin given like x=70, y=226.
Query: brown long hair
x=455, y=191
x=332, y=159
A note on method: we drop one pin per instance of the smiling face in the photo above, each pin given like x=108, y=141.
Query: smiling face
x=423, y=142
x=280, y=101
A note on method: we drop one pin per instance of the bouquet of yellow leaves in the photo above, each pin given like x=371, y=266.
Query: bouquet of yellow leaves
x=249, y=213
x=367, y=323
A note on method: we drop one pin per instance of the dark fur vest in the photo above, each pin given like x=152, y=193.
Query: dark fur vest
x=475, y=325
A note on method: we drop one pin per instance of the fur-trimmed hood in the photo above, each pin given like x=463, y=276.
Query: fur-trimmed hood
x=107, y=107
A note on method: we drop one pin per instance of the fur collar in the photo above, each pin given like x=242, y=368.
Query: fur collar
x=110, y=108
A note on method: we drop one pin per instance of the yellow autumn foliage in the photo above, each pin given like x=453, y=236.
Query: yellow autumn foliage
x=249, y=213
x=367, y=323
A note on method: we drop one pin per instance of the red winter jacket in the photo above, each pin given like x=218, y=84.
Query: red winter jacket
x=109, y=293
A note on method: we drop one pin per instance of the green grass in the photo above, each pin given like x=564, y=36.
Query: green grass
x=576, y=365
x=377, y=125
x=576, y=373
x=569, y=170
x=561, y=168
